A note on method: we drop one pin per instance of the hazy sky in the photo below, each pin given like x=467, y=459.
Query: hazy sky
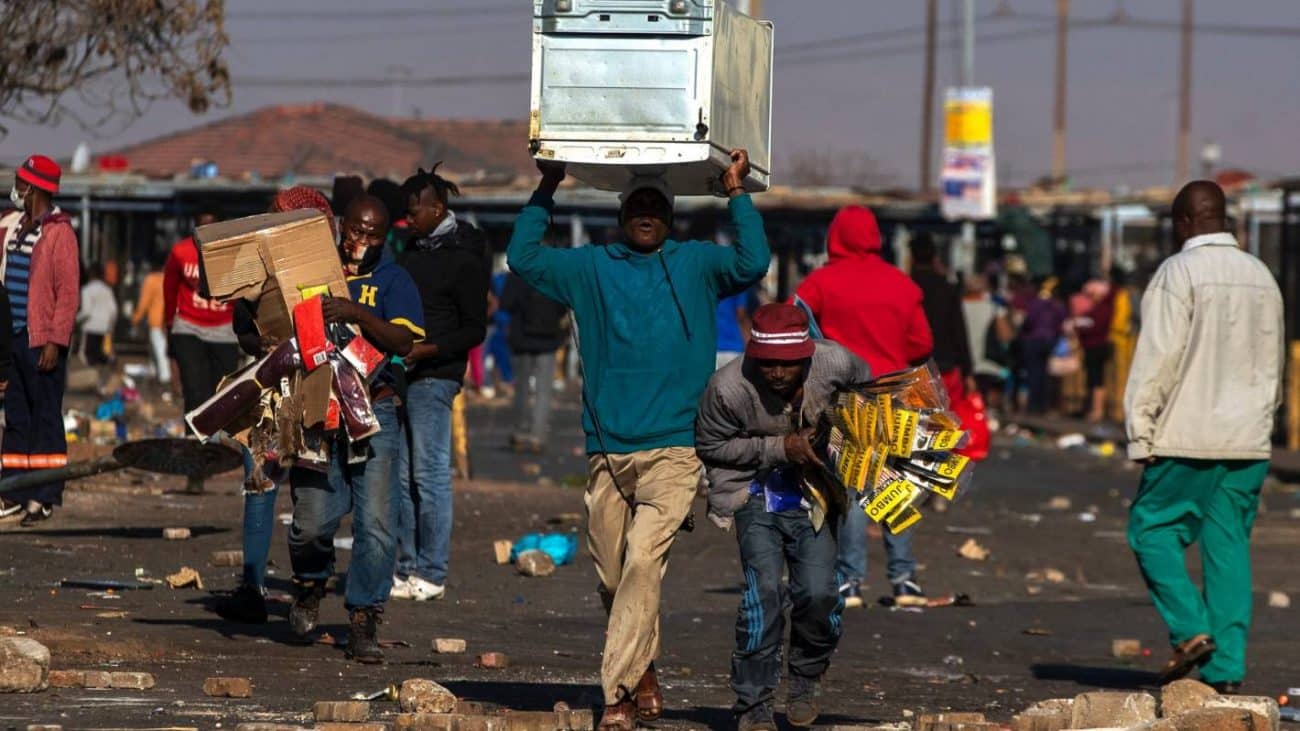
x=847, y=96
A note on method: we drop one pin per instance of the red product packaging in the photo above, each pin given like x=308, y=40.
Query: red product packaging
x=363, y=356
x=309, y=328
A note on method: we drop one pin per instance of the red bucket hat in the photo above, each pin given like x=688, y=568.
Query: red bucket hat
x=41, y=172
x=780, y=332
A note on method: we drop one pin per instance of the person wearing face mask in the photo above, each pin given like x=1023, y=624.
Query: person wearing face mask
x=386, y=306
x=646, y=312
x=42, y=276
x=448, y=259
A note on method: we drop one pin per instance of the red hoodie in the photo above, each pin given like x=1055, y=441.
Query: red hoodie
x=181, y=291
x=864, y=303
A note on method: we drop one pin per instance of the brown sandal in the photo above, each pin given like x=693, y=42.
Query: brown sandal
x=649, y=697
x=1187, y=656
x=619, y=717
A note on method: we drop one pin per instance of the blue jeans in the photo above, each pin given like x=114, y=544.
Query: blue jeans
x=852, y=561
x=367, y=489
x=259, y=521
x=424, y=474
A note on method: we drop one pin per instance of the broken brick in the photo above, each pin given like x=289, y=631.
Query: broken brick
x=228, y=687
x=1049, y=715
x=130, y=681
x=494, y=660
x=502, y=551
x=1125, y=648
x=24, y=665
x=176, y=534
x=1263, y=707
x=1222, y=719
x=420, y=695
x=96, y=679
x=449, y=646
x=950, y=721
x=1184, y=695
x=1112, y=710
x=346, y=711
x=227, y=558
x=67, y=678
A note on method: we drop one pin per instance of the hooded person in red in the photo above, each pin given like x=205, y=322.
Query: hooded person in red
x=863, y=302
x=870, y=307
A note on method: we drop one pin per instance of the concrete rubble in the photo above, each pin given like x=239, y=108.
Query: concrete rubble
x=24, y=665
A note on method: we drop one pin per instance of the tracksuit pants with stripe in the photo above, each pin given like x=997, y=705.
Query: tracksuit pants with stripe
x=769, y=543
x=33, y=435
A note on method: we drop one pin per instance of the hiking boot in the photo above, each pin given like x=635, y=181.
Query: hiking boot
x=801, y=704
x=852, y=593
x=363, y=645
x=246, y=605
x=758, y=718
x=305, y=612
x=908, y=593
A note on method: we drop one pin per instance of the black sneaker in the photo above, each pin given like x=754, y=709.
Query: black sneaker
x=801, y=704
x=305, y=611
x=38, y=515
x=246, y=605
x=908, y=593
x=363, y=644
x=758, y=718
x=852, y=593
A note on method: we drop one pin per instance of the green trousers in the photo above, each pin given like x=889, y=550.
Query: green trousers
x=1180, y=502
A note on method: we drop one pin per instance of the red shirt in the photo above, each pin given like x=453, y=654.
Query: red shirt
x=864, y=303
x=181, y=291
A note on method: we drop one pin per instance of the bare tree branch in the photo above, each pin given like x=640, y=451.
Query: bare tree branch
x=102, y=63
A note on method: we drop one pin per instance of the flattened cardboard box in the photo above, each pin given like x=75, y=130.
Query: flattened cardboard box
x=275, y=259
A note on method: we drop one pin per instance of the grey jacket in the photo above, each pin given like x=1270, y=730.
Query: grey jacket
x=741, y=427
x=1206, y=378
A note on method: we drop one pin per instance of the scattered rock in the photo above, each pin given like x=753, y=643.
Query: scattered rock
x=186, y=577
x=449, y=645
x=130, y=681
x=228, y=687
x=1279, y=600
x=535, y=563
x=1184, y=695
x=1060, y=502
x=419, y=695
x=494, y=660
x=1112, y=710
x=176, y=534
x=24, y=665
x=66, y=678
x=972, y=550
x=1262, y=707
x=1049, y=715
x=227, y=558
x=1220, y=719
x=952, y=722
x=344, y=711
x=96, y=679
x=1126, y=648
x=502, y=551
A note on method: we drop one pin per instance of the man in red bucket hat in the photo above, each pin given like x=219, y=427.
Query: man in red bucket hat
x=42, y=274
x=752, y=433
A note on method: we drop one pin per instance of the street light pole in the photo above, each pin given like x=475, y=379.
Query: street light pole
x=1185, y=95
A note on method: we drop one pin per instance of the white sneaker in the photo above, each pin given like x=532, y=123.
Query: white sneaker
x=422, y=590
x=401, y=588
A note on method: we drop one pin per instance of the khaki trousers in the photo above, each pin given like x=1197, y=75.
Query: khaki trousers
x=630, y=549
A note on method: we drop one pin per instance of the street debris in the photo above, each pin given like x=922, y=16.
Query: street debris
x=176, y=534
x=24, y=665
x=1050, y=575
x=228, y=687
x=1038, y=632
x=1060, y=502
x=972, y=550
x=185, y=577
x=502, y=550
x=420, y=695
x=535, y=563
x=227, y=558
x=494, y=660
x=1279, y=600
x=388, y=693
x=958, y=530
x=341, y=711
x=1125, y=648
x=449, y=645
x=1112, y=710
x=104, y=584
x=1071, y=441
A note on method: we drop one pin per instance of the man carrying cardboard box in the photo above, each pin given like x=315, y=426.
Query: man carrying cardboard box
x=645, y=310
x=386, y=306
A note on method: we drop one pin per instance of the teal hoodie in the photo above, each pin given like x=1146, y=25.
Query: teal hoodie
x=648, y=341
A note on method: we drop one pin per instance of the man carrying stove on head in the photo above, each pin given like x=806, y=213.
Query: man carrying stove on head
x=752, y=433
x=645, y=311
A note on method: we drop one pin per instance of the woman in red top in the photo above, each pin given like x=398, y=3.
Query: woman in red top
x=202, y=341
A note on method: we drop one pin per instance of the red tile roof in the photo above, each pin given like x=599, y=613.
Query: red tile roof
x=323, y=139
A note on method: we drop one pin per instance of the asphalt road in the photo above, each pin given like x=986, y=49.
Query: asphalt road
x=1016, y=645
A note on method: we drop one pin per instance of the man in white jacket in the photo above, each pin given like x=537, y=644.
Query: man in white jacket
x=1204, y=387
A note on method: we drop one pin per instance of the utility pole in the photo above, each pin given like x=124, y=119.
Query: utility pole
x=1185, y=95
x=1058, y=116
x=968, y=42
x=927, y=94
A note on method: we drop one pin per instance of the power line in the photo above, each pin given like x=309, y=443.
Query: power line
x=376, y=14
x=1126, y=21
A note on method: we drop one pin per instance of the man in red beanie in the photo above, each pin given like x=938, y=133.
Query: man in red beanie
x=42, y=273
x=864, y=303
x=752, y=432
